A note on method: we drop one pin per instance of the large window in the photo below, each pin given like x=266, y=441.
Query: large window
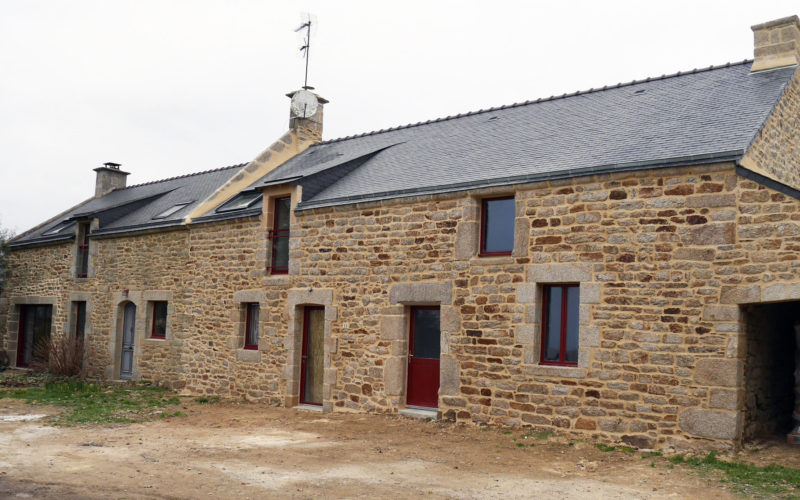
x=497, y=226
x=82, y=262
x=279, y=236
x=560, y=317
x=251, y=325
x=158, y=326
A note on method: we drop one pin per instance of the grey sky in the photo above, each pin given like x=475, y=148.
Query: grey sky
x=172, y=87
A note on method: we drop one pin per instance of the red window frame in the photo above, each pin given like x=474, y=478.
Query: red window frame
x=564, y=319
x=83, y=250
x=249, y=334
x=484, y=215
x=153, y=333
x=275, y=235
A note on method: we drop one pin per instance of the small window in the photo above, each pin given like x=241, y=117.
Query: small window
x=497, y=226
x=279, y=236
x=241, y=201
x=59, y=227
x=82, y=263
x=79, y=308
x=158, y=327
x=170, y=211
x=560, y=317
x=251, y=326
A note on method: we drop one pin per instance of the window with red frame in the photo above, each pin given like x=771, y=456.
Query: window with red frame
x=158, y=328
x=497, y=226
x=82, y=264
x=251, y=325
x=279, y=236
x=560, y=317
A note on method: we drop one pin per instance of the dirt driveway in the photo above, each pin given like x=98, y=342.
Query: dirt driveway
x=252, y=451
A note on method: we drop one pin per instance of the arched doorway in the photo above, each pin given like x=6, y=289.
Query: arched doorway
x=128, y=328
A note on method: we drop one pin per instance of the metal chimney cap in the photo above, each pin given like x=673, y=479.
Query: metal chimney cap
x=113, y=165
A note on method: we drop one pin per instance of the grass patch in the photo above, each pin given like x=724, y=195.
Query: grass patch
x=207, y=400
x=90, y=403
x=605, y=448
x=750, y=480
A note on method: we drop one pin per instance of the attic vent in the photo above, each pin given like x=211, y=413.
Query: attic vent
x=640, y=91
x=59, y=227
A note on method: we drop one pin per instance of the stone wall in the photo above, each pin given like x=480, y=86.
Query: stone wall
x=775, y=151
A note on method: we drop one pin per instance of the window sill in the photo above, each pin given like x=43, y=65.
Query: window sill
x=493, y=259
x=248, y=355
x=556, y=371
x=154, y=341
x=277, y=280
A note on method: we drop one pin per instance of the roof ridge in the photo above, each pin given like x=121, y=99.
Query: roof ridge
x=539, y=100
x=183, y=176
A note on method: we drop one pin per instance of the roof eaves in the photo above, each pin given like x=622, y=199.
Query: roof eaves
x=766, y=181
x=136, y=228
x=250, y=212
x=701, y=159
x=45, y=240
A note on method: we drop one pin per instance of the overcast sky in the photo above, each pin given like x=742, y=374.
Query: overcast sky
x=172, y=87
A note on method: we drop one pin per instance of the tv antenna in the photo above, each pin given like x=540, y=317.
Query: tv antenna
x=305, y=49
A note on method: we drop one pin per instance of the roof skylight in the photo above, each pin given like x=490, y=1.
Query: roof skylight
x=59, y=227
x=241, y=201
x=171, y=210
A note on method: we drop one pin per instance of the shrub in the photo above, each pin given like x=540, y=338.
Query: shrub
x=59, y=356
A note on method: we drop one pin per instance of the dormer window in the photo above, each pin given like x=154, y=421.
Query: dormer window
x=279, y=235
x=171, y=210
x=241, y=201
x=59, y=227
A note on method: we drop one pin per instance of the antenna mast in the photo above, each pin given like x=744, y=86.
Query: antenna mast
x=306, y=48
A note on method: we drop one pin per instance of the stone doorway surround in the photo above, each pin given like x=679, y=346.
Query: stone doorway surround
x=115, y=339
x=297, y=300
x=394, y=328
x=723, y=415
x=15, y=305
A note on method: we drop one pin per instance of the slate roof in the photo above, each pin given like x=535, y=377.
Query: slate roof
x=135, y=206
x=700, y=116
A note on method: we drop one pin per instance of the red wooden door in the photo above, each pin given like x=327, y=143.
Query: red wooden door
x=423, y=358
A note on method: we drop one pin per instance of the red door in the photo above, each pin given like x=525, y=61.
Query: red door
x=423, y=358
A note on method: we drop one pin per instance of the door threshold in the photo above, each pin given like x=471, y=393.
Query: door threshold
x=419, y=412
x=307, y=407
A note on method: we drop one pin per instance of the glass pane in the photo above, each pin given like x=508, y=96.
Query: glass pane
x=280, y=253
x=498, y=230
x=171, y=210
x=552, y=330
x=159, y=318
x=426, y=333
x=282, y=213
x=252, y=324
x=573, y=313
x=241, y=201
x=314, y=351
x=80, y=319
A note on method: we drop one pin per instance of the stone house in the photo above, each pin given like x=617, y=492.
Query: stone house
x=620, y=262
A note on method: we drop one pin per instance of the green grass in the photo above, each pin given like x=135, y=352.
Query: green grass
x=605, y=448
x=89, y=403
x=207, y=400
x=751, y=480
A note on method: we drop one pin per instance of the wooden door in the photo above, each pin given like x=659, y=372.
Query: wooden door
x=424, y=350
x=128, y=328
x=33, y=334
x=311, y=365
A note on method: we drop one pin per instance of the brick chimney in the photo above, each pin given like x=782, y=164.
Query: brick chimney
x=777, y=43
x=311, y=123
x=109, y=178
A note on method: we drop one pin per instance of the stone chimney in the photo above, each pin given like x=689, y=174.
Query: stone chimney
x=109, y=178
x=777, y=43
x=305, y=112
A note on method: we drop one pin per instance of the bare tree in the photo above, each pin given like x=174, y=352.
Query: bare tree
x=5, y=235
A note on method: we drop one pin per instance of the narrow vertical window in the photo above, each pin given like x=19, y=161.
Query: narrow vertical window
x=251, y=326
x=80, y=319
x=82, y=264
x=279, y=236
x=560, y=317
x=158, y=327
x=497, y=226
